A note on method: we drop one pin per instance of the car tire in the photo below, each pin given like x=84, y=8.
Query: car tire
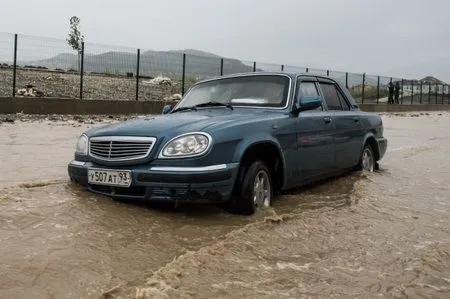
x=367, y=161
x=253, y=189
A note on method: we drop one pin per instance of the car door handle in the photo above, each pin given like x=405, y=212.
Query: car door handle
x=327, y=120
x=356, y=119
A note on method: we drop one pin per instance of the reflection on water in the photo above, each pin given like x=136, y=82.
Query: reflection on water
x=360, y=235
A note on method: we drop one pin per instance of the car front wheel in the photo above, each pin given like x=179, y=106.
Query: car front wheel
x=254, y=190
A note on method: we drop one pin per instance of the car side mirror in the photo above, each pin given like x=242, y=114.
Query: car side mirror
x=166, y=109
x=308, y=103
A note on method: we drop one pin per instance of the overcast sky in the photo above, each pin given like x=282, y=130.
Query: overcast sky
x=404, y=38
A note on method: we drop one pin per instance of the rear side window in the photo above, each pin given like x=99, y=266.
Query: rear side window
x=344, y=103
x=331, y=96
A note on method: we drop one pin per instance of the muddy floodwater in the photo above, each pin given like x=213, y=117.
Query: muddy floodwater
x=384, y=234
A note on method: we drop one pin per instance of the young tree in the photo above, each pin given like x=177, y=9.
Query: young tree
x=75, y=38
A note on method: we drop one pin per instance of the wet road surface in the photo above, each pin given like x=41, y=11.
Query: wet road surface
x=362, y=235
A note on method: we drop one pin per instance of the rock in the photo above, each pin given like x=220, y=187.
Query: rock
x=175, y=97
x=414, y=115
x=159, y=81
x=8, y=120
x=38, y=93
x=21, y=91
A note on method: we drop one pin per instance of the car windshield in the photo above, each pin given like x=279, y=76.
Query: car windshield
x=253, y=90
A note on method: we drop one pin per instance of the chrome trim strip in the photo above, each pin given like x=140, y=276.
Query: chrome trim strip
x=210, y=141
x=119, y=139
x=123, y=138
x=78, y=163
x=289, y=96
x=190, y=169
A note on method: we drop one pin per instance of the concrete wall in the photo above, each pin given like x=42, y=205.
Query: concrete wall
x=403, y=108
x=73, y=106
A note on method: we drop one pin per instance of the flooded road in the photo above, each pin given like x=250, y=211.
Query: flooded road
x=385, y=234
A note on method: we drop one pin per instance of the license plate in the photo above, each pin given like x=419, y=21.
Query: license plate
x=108, y=177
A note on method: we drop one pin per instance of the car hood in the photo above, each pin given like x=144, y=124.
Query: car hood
x=173, y=124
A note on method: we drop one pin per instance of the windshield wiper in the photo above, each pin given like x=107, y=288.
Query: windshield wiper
x=185, y=108
x=213, y=103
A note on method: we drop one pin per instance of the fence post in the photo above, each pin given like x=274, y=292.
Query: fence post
x=138, y=61
x=429, y=93
x=401, y=99
x=363, y=84
x=183, y=77
x=221, y=66
x=282, y=67
x=448, y=94
x=307, y=69
x=81, y=70
x=254, y=66
x=328, y=73
x=15, y=65
x=378, y=90
x=346, y=80
x=436, y=92
x=421, y=92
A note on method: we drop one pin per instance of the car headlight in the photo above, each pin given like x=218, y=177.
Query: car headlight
x=187, y=145
x=82, y=145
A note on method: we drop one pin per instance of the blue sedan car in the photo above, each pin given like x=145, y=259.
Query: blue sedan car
x=240, y=139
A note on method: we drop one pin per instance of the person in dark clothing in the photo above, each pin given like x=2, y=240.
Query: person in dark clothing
x=397, y=92
x=391, y=93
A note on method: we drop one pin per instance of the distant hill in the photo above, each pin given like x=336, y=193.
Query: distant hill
x=199, y=64
x=152, y=63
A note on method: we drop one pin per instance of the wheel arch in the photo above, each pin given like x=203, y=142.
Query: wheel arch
x=370, y=139
x=267, y=150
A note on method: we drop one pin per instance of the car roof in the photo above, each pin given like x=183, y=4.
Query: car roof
x=292, y=75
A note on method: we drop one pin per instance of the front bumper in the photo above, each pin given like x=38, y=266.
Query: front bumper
x=200, y=184
x=382, y=146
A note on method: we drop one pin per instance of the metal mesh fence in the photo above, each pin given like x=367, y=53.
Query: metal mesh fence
x=294, y=69
x=235, y=66
x=355, y=86
x=46, y=68
x=6, y=61
x=160, y=75
x=51, y=68
x=109, y=72
x=339, y=76
x=320, y=72
x=371, y=91
x=268, y=67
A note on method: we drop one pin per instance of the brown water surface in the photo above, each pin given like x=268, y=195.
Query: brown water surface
x=361, y=235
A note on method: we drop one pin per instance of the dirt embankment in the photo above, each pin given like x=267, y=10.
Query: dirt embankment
x=95, y=87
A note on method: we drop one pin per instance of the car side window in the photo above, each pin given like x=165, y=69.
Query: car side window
x=343, y=101
x=331, y=96
x=307, y=89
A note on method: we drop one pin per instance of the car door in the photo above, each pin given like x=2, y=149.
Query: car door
x=314, y=135
x=347, y=125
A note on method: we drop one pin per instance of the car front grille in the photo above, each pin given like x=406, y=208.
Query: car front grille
x=120, y=148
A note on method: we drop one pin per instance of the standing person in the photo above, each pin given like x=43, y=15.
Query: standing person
x=397, y=92
x=391, y=93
